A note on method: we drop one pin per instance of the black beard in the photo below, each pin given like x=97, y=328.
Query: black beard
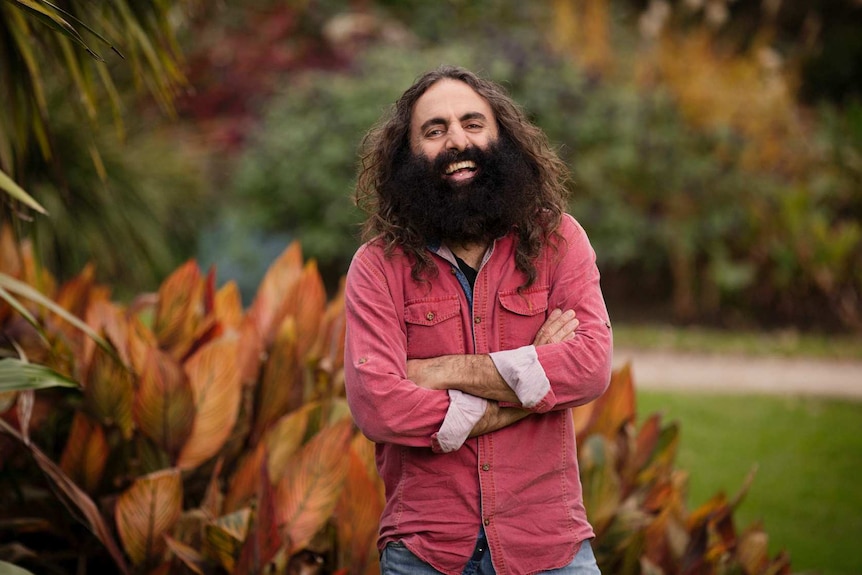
x=476, y=211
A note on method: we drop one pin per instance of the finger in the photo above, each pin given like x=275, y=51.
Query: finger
x=554, y=328
x=557, y=326
x=565, y=331
x=545, y=329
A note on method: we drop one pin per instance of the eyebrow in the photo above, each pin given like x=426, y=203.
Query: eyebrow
x=464, y=118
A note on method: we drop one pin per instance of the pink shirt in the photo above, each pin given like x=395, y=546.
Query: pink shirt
x=520, y=482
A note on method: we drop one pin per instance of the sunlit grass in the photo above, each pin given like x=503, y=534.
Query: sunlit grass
x=790, y=343
x=808, y=455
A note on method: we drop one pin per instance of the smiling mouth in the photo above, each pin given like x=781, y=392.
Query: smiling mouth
x=463, y=169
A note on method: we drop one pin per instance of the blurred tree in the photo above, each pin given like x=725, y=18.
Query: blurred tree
x=56, y=90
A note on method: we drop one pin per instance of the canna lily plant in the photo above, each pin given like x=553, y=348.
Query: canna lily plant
x=183, y=433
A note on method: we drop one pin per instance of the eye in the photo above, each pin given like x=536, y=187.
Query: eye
x=433, y=133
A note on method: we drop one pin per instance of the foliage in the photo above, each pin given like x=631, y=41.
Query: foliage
x=204, y=437
x=200, y=434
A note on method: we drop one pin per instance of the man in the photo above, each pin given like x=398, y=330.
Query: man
x=475, y=322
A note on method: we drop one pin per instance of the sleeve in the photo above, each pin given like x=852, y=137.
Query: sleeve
x=386, y=406
x=575, y=372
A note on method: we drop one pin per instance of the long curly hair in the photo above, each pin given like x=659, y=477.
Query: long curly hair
x=389, y=141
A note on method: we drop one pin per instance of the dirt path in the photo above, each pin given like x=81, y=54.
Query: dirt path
x=742, y=374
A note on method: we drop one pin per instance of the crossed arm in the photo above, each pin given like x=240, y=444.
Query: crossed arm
x=477, y=374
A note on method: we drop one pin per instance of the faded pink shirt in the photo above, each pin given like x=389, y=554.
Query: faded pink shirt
x=520, y=482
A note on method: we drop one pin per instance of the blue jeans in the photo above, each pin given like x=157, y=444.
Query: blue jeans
x=396, y=559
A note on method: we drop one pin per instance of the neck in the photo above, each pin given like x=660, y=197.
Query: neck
x=472, y=254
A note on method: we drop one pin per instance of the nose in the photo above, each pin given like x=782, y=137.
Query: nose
x=456, y=139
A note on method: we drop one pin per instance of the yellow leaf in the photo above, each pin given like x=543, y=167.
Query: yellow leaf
x=146, y=511
x=228, y=305
x=215, y=381
x=164, y=404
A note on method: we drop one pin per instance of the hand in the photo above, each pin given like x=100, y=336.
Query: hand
x=560, y=326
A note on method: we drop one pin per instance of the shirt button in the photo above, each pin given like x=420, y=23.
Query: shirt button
x=429, y=316
x=486, y=467
x=487, y=521
x=477, y=319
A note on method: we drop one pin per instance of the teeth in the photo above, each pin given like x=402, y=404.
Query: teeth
x=467, y=165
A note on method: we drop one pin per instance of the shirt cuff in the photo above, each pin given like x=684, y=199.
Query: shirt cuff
x=464, y=412
x=521, y=370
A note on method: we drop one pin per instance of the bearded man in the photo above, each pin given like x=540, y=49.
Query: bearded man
x=475, y=322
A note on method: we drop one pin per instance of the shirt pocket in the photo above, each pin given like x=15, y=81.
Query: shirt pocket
x=521, y=316
x=433, y=327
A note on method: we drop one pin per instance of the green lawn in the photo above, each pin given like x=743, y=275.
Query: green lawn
x=789, y=343
x=808, y=488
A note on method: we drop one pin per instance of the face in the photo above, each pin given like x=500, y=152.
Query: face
x=449, y=118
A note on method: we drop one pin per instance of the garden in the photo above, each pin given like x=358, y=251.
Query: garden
x=177, y=223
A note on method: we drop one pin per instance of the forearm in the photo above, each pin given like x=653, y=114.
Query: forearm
x=473, y=374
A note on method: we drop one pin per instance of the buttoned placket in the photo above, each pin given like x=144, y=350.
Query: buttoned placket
x=485, y=475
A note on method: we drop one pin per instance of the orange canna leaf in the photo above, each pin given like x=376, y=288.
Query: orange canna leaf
x=279, y=444
x=180, y=309
x=146, y=511
x=364, y=449
x=281, y=386
x=215, y=380
x=243, y=483
x=211, y=504
x=164, y=407
x=285, y=438
x=307, y=305
x=109, y=392
x=263, y=541
x=307, y=495
x=10, y=254
x=141, y=341
x=86, y=452
x=615, y=407
x=265, y=311
x=109, y=320
x=74, y=295
x=329, y=346
x=357, y=515
x=251, y=353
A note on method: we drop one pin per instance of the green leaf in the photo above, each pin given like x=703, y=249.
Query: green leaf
x=23, y=290
x=52, y=19
x=8, y=185
x=18, y=375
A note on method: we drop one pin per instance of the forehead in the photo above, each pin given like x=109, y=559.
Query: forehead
x=448, y=100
